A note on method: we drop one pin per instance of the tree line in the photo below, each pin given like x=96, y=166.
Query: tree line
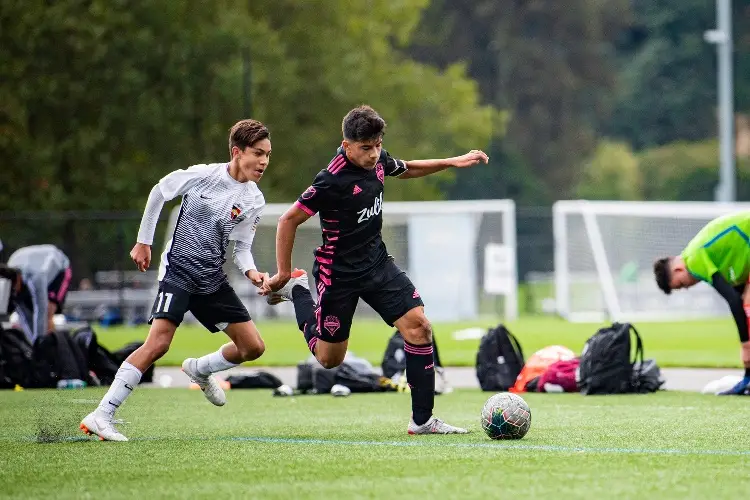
x=100, y=98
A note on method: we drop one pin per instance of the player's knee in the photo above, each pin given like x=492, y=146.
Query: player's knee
x=329, y=360
x=421, y=332
x=328, y=363
x=252, y=350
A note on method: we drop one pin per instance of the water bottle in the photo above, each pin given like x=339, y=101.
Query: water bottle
x=71, y=383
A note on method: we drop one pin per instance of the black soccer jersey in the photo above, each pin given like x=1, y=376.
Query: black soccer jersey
x=349, y=200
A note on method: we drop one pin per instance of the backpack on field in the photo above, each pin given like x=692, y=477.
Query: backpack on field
x=559, y=377
x=537, y=365
x=394, y=358
x=100, y=362
x=605, y=364
x=254, y=380
x=15, y=359
x=57, y=356
x=499, y=360
x=355, y=373
x=98, y=359
x=648, y=375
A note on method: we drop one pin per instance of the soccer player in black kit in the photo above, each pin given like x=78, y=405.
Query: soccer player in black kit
x=353, y=263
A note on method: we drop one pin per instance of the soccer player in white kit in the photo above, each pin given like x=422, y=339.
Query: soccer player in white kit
x=220, y=202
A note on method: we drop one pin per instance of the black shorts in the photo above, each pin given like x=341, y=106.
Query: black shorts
x=58, y=288
x=388, y=290
x=215, y=311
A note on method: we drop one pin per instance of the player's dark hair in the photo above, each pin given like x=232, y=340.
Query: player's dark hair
x=362, y=124
x=662, y=274
x=245, y=133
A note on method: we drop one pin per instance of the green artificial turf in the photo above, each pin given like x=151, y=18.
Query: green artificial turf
x=664, y=445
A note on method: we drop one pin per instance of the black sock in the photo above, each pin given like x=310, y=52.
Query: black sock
x=747, y=372
x=304, y=306
x=437, y=354
x=420, y=373
x=304, y=310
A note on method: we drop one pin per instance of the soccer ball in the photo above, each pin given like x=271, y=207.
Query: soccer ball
x=506, y=416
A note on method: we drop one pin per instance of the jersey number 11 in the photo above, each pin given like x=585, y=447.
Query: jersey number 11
x=166, y=303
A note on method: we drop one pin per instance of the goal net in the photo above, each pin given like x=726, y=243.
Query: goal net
x=461, y=255
x=604, y=254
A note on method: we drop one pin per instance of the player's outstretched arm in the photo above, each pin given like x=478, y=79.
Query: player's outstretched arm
x=421, y=168
x=286, y=230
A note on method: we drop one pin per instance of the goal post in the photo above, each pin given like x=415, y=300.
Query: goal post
x=604, y=254
x=461, y=256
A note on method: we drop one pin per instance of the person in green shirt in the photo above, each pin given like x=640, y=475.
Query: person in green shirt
x=720, y=256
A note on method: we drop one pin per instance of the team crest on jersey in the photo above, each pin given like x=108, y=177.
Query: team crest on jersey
x=380, y=173
x=332, y=324
x=236, y=211
x=309, y=193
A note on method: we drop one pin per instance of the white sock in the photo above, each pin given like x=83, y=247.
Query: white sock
x=126, y=379
x=212, y=363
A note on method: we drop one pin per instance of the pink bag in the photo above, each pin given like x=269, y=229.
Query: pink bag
x=559, y=377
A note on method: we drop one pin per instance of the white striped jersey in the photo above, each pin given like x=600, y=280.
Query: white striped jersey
x=215, y=208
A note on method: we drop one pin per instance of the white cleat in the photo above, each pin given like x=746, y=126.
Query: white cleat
x=208, y=384
x=434, y=426
x=299, y=277
x=103, y=426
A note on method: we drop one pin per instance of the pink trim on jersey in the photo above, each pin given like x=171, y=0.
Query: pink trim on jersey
x=335, y=161
x=333, y=238
x=324, y=279
x=303, y=208
x=331, y=220
x=337, y=164
x=65, y=284
x=323, y=260
x=325, y=270
x=327, y=252
x=330, y=230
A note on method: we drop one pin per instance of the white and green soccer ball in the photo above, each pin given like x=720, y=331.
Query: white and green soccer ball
x=506, y=416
